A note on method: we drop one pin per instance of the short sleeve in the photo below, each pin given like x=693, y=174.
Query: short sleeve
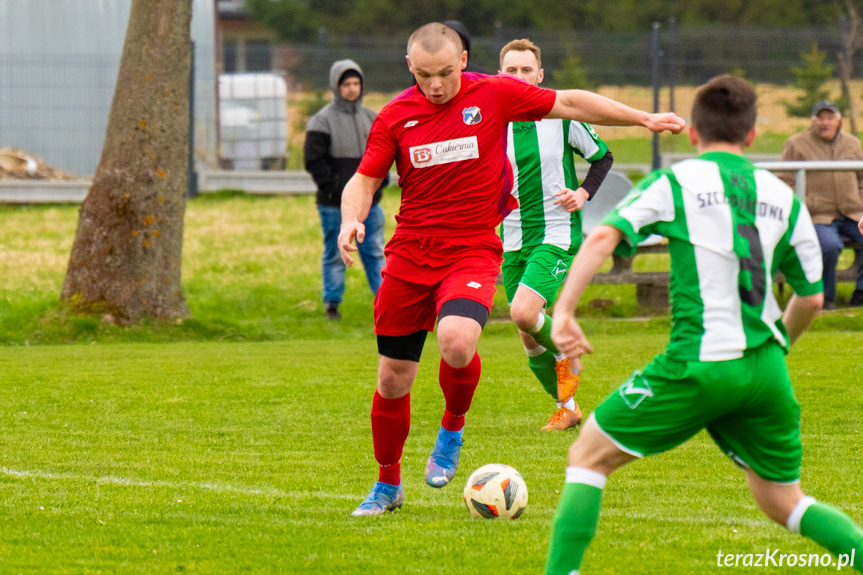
x=650, y=202
x=585, y=141
x=381, y=150
x=523, y=102
x=799, y=256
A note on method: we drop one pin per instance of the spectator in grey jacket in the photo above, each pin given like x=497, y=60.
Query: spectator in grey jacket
x=335, y=141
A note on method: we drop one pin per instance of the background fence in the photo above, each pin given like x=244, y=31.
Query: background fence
x=689, y=54
x=56, y=106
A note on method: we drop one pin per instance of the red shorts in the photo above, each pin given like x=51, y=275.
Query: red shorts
x=421, y=274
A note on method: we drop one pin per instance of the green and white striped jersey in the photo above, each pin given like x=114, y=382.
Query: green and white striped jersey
x=730, y=227
x=542, y=155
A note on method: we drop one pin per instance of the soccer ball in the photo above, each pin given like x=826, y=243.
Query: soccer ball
x=496, y=491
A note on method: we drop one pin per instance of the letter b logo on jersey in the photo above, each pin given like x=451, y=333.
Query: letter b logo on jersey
x=422, y=155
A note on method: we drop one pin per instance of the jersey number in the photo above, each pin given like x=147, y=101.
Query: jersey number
x=754, y=265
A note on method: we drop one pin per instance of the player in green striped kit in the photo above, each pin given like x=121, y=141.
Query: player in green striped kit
x=730, y=227
x=541, y=237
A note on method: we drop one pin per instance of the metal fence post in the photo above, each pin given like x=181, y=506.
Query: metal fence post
x=800, y=184
x=323, y=64
x=654, y=52
x=672, y=62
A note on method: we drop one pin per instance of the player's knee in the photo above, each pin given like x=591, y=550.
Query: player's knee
x=523, y=316
x=457, y=350
x=593, y=450
x=395, y=380
x=774, y=510
x=776, y=500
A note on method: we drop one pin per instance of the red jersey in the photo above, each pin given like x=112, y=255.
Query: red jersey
x=451, y=158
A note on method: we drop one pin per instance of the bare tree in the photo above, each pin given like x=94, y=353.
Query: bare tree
x=851, y=40
x=125, y=260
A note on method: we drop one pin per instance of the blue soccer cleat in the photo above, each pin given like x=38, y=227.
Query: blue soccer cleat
x=443, y=460
x=384, y=497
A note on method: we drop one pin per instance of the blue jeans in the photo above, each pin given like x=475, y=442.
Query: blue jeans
x=371, y=252
x=830, y=237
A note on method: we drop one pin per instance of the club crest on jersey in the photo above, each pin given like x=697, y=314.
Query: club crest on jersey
x=634, y=390
x=471, y=116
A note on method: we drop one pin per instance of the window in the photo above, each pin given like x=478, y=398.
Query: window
x=259, y=56
x=229, y=56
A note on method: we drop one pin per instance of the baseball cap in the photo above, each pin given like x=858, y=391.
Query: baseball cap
x=824, y=105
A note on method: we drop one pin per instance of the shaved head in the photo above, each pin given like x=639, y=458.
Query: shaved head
x=434, y=37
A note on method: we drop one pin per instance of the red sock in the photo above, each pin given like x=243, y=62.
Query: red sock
x=391, y=423
x=458, y=386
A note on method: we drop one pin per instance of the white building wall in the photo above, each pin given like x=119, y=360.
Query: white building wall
x=58, y=68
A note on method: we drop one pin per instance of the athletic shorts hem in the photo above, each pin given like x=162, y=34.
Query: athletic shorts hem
x=616, y=443
x=740, y=462
x=534, y=291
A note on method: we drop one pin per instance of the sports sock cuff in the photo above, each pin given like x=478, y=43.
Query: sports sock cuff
x=535, y=352
x=793, y=522
x=585, y=476
x=540, y=321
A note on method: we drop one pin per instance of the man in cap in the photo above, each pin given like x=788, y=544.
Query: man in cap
x=835, y=199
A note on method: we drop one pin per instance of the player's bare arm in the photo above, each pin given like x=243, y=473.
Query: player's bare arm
x=860, y=226
x=571, y=200
x=584, y=106
x=565, y=332
x=356, y=203
x=800, y=312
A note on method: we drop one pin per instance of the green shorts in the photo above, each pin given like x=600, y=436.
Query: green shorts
x=747, y=405
x=541, y=268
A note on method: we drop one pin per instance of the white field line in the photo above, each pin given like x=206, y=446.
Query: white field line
x=216, y=487
x=273, y=492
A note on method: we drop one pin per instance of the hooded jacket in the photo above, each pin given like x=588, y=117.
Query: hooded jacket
x=829, y=195
x=336, y=139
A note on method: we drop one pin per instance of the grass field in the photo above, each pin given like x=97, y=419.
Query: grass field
x=248, y=458
x=238, y=441
x=251, y=272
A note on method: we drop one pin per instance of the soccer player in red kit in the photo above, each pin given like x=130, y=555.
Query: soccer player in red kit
x=447, y=136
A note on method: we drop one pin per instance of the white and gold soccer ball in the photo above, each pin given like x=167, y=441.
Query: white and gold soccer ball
x=496, y=491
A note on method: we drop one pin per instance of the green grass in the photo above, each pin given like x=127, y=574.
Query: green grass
x=251, y=272
x=244, y=444
x=248, y=458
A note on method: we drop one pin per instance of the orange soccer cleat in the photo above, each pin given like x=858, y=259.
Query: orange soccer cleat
x=564, y=418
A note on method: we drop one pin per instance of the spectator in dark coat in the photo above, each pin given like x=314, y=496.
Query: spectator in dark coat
x=335, y=141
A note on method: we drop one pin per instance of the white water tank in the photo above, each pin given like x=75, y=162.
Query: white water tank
x=253, y=121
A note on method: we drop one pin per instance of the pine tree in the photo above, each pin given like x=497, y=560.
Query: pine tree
x=811, y=78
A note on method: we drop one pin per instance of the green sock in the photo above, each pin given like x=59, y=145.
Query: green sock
x=543, y=335
x=574, y=524
x=833, y=530
x=542, y=367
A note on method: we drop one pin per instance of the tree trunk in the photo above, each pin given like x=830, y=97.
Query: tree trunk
x=127, y=251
